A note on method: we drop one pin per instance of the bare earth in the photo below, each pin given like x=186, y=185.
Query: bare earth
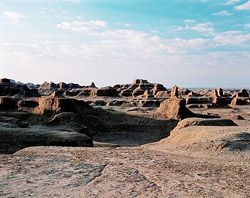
x=121, y=172
x=187, y=164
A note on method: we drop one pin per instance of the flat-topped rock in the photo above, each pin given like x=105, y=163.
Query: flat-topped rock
x=14, y=139
x=204, y=122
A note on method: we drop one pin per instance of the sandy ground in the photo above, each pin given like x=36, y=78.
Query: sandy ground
x=121, y=172
x=157, y=171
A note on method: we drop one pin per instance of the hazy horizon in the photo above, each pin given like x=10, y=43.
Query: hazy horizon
x=192, y=43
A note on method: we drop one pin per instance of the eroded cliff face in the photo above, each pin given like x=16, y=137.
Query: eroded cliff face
x=52, y=120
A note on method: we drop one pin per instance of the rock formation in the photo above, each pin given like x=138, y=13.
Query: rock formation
x=174, y=108
x=174, y=92
x=8, y=103
x=218, y=97
x=242, y=93
x=14, y=139
x=204, y=122
x=8, y=88
x=138, y=88
x=60, y=86
x=105, y=91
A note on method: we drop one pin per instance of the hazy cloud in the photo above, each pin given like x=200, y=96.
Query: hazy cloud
x=15, y=17
x=247, y=25
x=232, y=2
x=127, y=24
x=72, y=1
x=82, y=26
x=232, y=38
x=245, y=6
x=223, y=13
x=201, y=27
x=189, y=21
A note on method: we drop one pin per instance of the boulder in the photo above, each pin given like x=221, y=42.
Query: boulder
x=175, y=108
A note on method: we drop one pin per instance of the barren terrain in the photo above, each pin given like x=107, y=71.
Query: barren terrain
x=132, y=140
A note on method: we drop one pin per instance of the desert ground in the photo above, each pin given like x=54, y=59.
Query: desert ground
x=133, y=140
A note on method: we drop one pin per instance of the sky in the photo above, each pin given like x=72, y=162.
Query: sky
x=190, y=43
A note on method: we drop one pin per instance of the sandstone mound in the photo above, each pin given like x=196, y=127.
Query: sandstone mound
x=138, y=87
x=53, y=104
x=68, y=121
x=174, y=108
x=204, y=122
x=14, y=139
x=206, y=135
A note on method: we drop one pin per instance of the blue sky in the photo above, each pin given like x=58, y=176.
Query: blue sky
x=192, y=43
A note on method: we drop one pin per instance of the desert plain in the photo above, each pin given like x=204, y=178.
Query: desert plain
x=127, y=140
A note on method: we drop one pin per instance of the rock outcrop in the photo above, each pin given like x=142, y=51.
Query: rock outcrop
x=240, y=101
x=218, y=97
x=138, y=88
x=56, y=105
x=242, y=93
x=9, y=88
x=204, y=122
x=14, y=139
x=46, y=86
x=174, y=92
x=8, y=103
x=174, y=108
x=105, y=91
